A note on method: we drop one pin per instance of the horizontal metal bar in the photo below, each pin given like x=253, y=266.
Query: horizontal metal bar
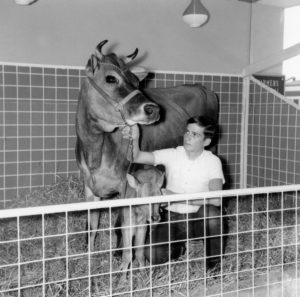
x=60, y=208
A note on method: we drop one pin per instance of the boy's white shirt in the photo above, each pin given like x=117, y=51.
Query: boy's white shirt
x=188, y=176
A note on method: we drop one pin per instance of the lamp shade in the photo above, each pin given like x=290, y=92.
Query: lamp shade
x=25, y=2
x=195, y=15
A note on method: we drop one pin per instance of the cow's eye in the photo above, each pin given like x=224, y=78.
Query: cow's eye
x=111, y=79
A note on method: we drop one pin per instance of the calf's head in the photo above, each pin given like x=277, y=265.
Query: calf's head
x=146, y=182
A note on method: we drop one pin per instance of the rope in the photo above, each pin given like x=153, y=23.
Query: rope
x=129, y=154
x=129, y=157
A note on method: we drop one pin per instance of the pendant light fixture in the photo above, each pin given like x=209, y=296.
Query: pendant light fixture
x=25, y=2
x=195, y=15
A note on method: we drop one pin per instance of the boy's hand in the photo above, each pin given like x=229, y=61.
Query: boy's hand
x=131, y=132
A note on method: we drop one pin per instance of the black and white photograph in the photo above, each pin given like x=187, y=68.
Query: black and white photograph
x=149, y=148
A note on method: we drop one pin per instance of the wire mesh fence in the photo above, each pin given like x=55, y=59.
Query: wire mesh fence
x=273, y=130
x=254, y=247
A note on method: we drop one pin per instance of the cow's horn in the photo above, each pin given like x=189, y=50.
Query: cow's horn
x=99, y=48
x=131, y=57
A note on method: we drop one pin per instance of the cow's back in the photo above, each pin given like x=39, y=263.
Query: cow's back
x=177, y=105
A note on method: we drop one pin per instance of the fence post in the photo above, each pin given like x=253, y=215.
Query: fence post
x=244, y=131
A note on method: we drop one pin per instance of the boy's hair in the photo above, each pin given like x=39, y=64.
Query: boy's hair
x=207, y=123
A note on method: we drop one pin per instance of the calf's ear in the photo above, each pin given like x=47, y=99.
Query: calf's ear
x=132, y=181
x=160, y=181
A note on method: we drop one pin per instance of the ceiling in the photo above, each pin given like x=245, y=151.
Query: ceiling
x=279, y=3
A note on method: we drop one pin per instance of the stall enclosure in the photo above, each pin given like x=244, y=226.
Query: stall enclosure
x=37, y=124
x=44, y=248
x=37, y=134
x=273, y=138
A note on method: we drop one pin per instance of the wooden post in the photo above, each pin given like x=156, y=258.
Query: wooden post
x=272, y=60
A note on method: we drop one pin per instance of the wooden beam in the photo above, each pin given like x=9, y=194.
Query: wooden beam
x=272, y=60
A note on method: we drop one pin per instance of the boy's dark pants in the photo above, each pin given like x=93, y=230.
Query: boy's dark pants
x=197, y=226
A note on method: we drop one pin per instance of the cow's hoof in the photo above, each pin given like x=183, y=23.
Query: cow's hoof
x=124, y=267
x=123, y=279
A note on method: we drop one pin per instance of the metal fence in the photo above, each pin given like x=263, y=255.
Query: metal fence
x=44, y=251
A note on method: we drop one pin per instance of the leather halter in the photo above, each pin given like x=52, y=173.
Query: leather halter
x=118, y=106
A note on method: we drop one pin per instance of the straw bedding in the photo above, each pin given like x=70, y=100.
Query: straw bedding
x=238, y=252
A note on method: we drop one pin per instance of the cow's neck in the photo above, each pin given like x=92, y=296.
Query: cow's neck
x=111, y=172
x=97, y=137
x=115, y=147
x=107, y=164
x=91, y=119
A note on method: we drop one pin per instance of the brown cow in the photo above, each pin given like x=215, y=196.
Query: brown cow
x=108, y=100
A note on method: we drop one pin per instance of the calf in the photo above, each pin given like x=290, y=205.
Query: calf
x=145, y=182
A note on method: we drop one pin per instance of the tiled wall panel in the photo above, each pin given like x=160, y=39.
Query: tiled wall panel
x=38, y=108
x=273, y=139
x=37, y=117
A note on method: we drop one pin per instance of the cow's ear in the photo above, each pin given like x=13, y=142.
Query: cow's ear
x=139, y=72
x=91, y=66
x=132, y=181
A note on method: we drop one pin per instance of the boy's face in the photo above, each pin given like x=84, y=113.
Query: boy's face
x=194, y=139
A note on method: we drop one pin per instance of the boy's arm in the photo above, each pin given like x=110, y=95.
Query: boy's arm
x=214, y=185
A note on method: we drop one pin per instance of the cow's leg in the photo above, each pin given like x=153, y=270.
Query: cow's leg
x=94, y=217
x=140, y=238
x=155, y=218
x=141, y=215
x=127, y=234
